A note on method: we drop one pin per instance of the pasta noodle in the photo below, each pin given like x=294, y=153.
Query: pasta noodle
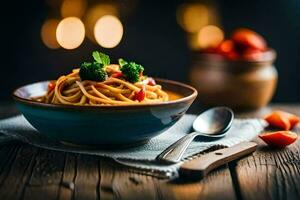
x=71, y=90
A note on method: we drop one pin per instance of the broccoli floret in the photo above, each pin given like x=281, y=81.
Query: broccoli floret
x=95, y=71
x=92, y=71
x=131, y=70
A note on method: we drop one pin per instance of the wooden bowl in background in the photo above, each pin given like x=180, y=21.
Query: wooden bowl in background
x=237, y=84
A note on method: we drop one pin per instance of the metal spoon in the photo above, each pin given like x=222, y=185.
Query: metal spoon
x=212, y=123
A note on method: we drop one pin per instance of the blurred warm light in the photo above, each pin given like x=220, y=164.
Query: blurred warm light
x=48, y=33
x=70, y=32
x=192, y=17
x=108, y=31
x=210, y=36
x=94, y=14
x=73, y=8
x=192, y=41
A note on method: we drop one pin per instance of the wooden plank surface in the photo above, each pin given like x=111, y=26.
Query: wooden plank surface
x=45, y=176
x=271, y=173
x=30, y=173
x=17, y=172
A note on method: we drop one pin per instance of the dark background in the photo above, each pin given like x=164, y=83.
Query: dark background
x=151, y=37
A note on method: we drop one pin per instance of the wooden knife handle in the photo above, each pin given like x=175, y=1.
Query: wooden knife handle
x=199, y=167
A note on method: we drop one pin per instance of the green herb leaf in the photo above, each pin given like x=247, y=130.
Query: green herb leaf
x=122, y=62
x=101, y=58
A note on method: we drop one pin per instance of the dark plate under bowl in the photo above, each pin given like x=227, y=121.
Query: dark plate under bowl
x=104, y=125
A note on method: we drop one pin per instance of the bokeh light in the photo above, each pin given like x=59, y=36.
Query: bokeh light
x=210, y=36
x=94, y=14
x=73, y=8
x=108, y=31
x=70, y=32
x=48, y=33
x=192, y=17
x=192, y=41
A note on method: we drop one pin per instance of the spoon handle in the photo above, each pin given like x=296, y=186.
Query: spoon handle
x=175, y=152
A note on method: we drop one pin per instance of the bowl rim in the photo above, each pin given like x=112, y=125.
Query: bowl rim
x=26, y=101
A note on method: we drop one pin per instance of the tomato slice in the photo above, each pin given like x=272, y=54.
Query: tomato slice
x=117, y=75
x=279, y=139
x=151, y=82
x=294, y=120
x=51, y=86
x=282, y=119
x=140, y=95
x=275, y=119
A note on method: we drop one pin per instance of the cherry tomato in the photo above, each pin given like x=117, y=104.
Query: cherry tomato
x=225, y=47
x=279, y=139
x=246, y=38
x=117, y=75
x=232, y=55
x=51, y=86
x=140, y=95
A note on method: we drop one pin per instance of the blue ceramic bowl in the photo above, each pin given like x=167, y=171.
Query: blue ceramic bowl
x=104, y=125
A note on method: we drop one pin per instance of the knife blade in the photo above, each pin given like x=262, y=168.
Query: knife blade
x=193, y=168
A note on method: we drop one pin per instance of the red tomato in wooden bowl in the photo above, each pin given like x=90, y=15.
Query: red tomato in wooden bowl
x=252, y=54
x=225, y=46
x=246, y=38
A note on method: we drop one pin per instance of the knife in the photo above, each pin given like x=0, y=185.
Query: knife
x=200, y=167
x=196, y=167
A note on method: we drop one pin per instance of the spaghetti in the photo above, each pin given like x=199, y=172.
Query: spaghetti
x=114, y=90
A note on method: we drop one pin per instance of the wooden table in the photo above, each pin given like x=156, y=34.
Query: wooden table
x=27, y=172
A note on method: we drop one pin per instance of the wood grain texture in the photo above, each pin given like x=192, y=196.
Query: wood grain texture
x=271, y=173
x=119, y=183
x=87, y=178
x=31, y=173
x=67, y=187
x=46, y=176
x=217, y=185
x=17, y=172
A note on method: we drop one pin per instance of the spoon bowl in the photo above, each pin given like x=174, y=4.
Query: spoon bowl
x=214, y=122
